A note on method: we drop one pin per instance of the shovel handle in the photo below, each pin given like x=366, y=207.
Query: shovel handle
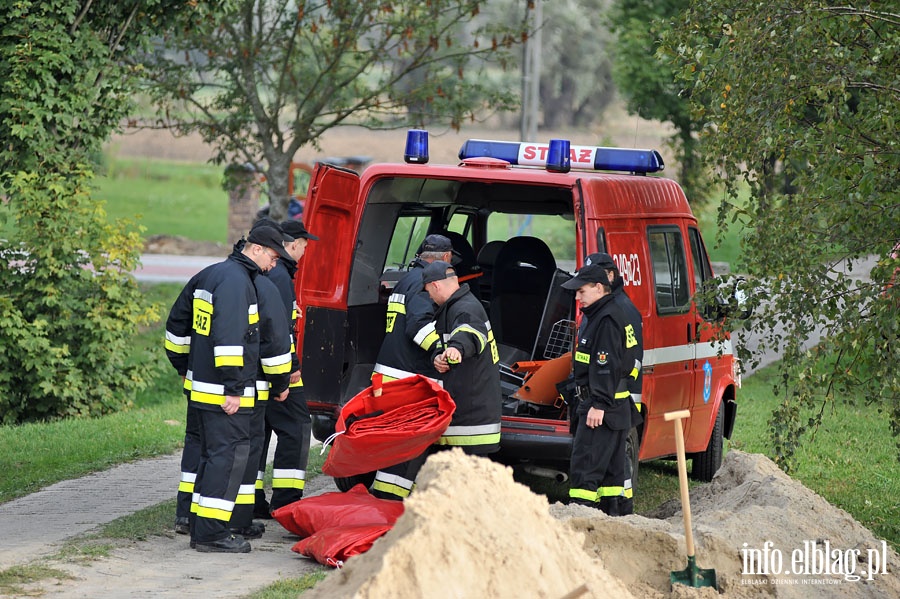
x=682, y=476
x=676, y=415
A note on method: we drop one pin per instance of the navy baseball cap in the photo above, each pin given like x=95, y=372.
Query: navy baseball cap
x=270, y=237
x=297, y=230
x=437, y=271
x=589, y=273
x=601, y=259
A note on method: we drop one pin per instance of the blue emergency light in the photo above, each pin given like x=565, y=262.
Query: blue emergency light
x=580, y=157
x=416, y=147
x=559, y=157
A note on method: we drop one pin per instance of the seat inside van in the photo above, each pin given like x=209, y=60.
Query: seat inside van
x=465, y=264
x=523, y=273
x=486, y=259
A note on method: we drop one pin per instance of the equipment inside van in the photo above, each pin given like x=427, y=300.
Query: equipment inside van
x=522, y=217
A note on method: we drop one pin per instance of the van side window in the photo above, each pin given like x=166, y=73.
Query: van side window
x=669, y=270
x=408, y=235
x=702, y=269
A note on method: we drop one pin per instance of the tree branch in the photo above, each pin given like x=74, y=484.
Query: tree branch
x=80, y=17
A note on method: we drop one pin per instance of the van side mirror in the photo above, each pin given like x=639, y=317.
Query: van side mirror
x=719, y=299
x=739, y=300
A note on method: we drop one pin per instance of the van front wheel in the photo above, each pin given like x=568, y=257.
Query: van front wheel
x=707, y=463
x=632, y=448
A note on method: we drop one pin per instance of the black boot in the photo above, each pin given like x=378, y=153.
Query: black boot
x=182, y=525
x=610, y=506
x=254, y=531
x=230, y=544
x=261, y=507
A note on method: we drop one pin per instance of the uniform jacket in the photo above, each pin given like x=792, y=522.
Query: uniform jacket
x=410, y=335
x=283, y=277
x=633, y=318
x=212, y=333
x=601, y=361
x=274, y=341
x=474, y=383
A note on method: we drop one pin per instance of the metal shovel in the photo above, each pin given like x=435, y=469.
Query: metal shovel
x=691, y=576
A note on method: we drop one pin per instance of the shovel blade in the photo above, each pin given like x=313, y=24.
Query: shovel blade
x=693, y=576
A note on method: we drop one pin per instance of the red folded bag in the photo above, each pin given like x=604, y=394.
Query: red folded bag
x=329, y=510
x=333, y=546
x=375, y=431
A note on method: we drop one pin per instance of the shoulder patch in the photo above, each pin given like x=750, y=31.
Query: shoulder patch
x=602, y=358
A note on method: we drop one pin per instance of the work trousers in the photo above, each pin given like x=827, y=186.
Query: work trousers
x=396, y=482
x=224, y=451
x=190, y=462
x=597, y=469
x=243, y=509
x=291, y=422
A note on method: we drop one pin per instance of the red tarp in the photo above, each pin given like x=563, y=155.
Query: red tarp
x=328, y=510
x=375, y=432
x=333, y=546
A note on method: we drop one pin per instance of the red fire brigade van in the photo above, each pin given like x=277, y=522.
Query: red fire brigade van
x=521, y=225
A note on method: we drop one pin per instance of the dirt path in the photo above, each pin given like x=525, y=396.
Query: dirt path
x=166, y=567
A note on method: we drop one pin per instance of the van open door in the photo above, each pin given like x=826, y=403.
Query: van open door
x=332, y=212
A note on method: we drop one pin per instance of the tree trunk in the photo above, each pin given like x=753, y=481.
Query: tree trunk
x=277, y=179
x=243, y=200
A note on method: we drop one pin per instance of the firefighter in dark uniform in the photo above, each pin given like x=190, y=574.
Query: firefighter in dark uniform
x=409, y=339
x=409, y=331
x=290, y=420
x=212, y=340
x=601, y=363
x=467, y=356
x=633, y=330
x=272, y=381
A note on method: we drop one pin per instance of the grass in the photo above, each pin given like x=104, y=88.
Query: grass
x=171, y=198
x=13, y=579
x=33, y=456
x=723, y=243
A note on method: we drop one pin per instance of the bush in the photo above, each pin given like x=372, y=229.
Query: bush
x=70, y=306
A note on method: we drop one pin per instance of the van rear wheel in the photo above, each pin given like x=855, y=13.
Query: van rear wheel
x=345, y=484
x=706, y=464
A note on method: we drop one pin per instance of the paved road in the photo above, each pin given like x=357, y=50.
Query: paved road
x=860, y=272
x=168, y=268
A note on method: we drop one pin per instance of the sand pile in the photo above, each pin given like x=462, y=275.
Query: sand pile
x=470, y=531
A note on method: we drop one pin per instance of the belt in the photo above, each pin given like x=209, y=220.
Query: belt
x=582, y=392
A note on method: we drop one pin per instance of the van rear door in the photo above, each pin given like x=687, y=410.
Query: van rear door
x=332, y=212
